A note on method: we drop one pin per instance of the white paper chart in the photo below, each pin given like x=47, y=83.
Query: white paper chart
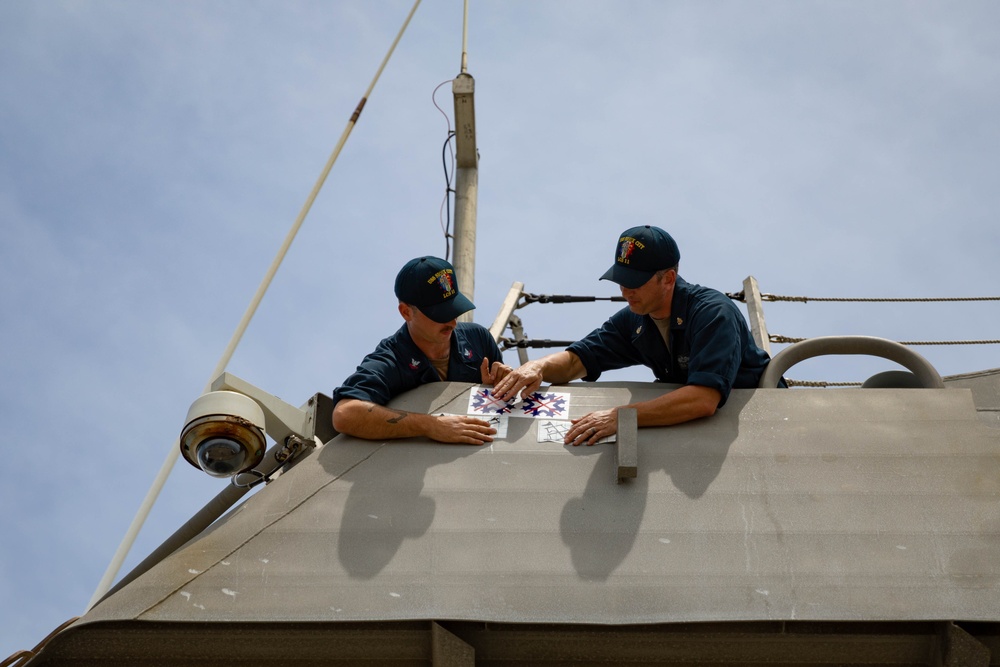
x=550, y=430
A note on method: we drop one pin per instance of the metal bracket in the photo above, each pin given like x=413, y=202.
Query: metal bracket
x=447, y=650
x=755, y=313
x=956, y=647
x=627, y=445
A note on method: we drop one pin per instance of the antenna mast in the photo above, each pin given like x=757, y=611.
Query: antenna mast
x=467, y=173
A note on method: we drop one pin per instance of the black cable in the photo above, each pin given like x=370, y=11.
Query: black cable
x=447, y=196
x=506, y=343
x=566, y=298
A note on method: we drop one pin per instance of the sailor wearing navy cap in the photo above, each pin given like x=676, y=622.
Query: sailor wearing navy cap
x=685, y=333
x=431, y=346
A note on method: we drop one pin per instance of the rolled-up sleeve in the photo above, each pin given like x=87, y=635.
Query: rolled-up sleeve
x=606, y=348
x=375, y=380
x=716, y=349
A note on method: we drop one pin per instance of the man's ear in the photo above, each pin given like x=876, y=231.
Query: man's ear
x=405, y=311
x=670, y=278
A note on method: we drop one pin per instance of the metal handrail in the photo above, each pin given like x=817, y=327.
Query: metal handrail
x=849, y=345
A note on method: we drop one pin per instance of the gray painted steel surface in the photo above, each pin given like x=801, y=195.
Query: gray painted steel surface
x=827, y=505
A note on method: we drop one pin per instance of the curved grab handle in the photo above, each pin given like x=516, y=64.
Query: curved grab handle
x=868, y=345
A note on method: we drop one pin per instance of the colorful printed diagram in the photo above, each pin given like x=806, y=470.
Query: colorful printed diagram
x=482, y=402
x=548, y=404
x=541, y=404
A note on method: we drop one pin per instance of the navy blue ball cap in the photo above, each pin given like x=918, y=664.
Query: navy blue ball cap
x=430, y=284
x=639, y=254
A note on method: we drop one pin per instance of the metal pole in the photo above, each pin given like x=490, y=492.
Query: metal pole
x=755, y=312
x=466, y=193
x=507, y=309
x=466, y=186
x=465, y=38
x=466, y=173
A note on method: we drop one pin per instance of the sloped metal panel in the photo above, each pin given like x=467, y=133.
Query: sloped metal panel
x=824, y=505
x=985, y=387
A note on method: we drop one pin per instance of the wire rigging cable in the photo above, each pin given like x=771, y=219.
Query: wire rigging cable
x=804, y=299
x=528, y=298
x=168, y=464
x=774, y=338
x=740, y=296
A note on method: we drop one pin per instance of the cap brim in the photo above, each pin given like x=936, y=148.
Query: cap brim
x=449, y=310
x=626, y=277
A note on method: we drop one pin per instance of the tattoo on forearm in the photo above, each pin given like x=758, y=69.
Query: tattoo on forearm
x=400, y=416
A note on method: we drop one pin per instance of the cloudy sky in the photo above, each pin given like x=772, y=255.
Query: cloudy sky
x=153, y=156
